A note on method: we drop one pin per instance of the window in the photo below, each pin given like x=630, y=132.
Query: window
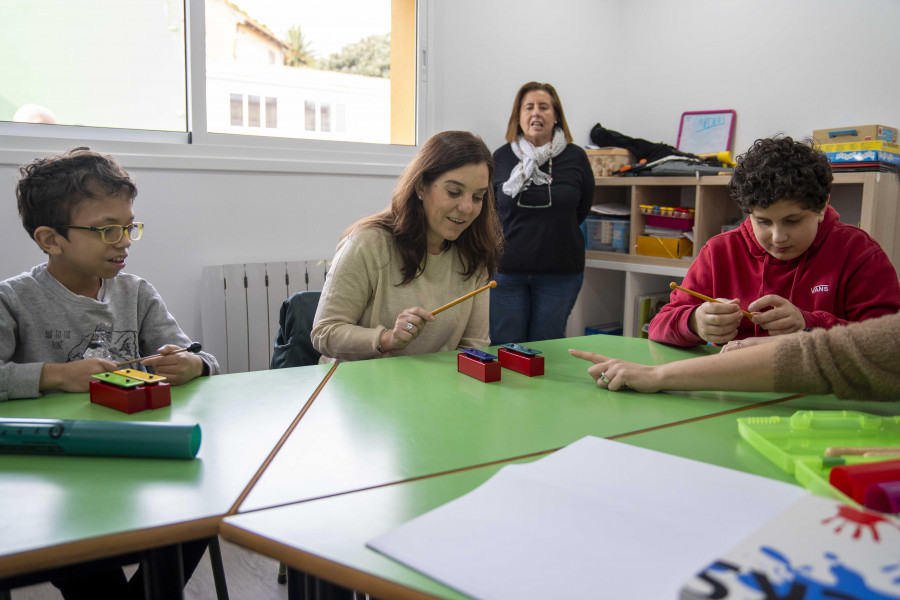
x=96, y=63
x=341, y=70
x=310, y=115
x=237, y=110
x=325, y=118
x=341, y=51
x=253, y=111
x=271, y=112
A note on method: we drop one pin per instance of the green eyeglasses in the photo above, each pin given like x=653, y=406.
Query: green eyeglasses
x=112, y=234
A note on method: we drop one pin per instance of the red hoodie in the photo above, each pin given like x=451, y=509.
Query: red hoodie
x=844, y=276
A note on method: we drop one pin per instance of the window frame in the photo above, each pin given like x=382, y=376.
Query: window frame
x=198, y=149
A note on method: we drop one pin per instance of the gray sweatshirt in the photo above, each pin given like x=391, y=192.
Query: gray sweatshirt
x=41, y=321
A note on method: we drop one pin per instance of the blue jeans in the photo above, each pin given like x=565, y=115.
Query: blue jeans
x=530, y=308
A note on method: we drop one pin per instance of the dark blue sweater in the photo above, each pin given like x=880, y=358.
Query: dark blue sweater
x=545, y=240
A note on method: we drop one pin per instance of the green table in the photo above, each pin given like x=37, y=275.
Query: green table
x=60, y=511
x=382, y=421
x=327, y=537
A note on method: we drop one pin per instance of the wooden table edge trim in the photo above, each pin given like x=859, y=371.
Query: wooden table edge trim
x=379, y=587
x=284, y=437
x=519, y=456
x=322, y=567
x=89, y=549
x=704, y=417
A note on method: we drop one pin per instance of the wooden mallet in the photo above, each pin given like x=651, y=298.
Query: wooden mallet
x=675, y=286
x=466, y=297
x=194, y=348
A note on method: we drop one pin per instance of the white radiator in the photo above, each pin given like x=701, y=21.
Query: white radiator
x=240, y=307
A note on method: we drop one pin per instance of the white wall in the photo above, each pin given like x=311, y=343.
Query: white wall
x=634, y=66
x=791, y=66
x=198, y=218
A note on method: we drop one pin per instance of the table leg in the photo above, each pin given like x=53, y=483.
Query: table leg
x=163, y=573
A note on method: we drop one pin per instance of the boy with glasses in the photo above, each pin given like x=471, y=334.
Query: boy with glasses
x=77, y=314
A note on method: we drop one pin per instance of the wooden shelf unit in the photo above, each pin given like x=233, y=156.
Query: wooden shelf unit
x=613, y=280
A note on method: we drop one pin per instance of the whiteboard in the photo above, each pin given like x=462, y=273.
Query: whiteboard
x=706, y=131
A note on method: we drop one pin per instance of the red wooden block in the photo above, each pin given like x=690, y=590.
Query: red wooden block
x=158, y=395
x=486, y=371
x=521, y=363
x=130, y=400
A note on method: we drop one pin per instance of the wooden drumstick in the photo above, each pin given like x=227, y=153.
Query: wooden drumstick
x=466, y=297
x=194, y=347
x=675, y=286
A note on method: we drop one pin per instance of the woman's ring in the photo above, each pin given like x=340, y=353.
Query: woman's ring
x=409, y=326
x=603, y=377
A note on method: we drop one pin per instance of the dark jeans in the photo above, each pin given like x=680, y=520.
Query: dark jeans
x=104, y=581
x=530, y=308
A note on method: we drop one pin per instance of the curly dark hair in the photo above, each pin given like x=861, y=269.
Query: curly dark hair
x=479, y=245
x=51, y=188
x=779, y=168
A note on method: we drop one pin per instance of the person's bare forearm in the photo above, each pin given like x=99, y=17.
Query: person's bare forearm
x=748, y=370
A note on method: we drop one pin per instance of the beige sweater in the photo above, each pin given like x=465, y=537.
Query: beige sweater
x=361, y=299
x=861, y=360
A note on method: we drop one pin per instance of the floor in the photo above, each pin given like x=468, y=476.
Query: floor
x=249, y=575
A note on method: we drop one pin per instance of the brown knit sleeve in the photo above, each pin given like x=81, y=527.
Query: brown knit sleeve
x=861, y=360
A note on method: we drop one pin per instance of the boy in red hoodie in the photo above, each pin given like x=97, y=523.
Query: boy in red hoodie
x=791, y=263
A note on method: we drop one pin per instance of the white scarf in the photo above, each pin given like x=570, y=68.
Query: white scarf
x=530, y=158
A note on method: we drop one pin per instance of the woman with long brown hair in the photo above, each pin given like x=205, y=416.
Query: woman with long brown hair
x=438, y=240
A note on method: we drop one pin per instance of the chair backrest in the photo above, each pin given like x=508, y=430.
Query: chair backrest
x=293, y=348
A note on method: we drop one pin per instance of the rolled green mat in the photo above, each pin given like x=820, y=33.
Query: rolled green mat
x=98, y=438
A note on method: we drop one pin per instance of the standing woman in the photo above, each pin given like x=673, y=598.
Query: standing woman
x=437, y=241
x=544, y=187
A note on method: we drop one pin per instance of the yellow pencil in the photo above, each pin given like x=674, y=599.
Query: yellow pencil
x=675, y=286
x=466, y=297
x=862, y=450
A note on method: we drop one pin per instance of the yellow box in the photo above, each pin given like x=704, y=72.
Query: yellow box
x=606, y=161
x=664, y=247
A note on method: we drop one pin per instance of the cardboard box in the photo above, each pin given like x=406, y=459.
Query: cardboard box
x=606, y=161
x=860, y=147
x=858, y=133
x=664, y=247
x=857, y=156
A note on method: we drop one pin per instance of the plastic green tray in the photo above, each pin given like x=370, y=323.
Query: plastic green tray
x=797, y=443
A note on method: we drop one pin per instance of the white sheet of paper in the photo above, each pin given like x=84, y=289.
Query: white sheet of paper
x=597, y=519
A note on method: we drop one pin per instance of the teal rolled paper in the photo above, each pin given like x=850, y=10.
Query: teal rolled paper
x=98, y=438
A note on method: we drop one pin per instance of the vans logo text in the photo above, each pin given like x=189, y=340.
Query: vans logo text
x=820, y=288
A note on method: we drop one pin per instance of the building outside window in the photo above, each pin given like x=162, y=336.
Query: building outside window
x=338, y=55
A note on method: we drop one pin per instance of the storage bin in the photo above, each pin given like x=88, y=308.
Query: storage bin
x=682, y=223
x=609, y=235
x=797, y=443
x=606, y=161
x=664, y=247
x=614, y=328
